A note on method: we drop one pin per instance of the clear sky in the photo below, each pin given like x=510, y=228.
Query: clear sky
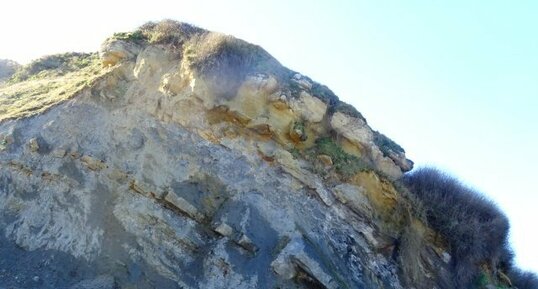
x=454, y=82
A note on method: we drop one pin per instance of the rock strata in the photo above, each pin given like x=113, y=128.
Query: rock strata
x=196, y=160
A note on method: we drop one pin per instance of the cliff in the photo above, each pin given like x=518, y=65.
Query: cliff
x=183, y=158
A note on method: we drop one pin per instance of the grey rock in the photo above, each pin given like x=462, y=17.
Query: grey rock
x=446, y=257
x=302, y=81
x=59, y=153
x=101, y=282
x=247, y=244
x=224, y=230
x=295, y=257
x=33, y=146
x=184, y=206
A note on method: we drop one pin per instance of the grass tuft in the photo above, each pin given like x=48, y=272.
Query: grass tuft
x=53, y=65
x=46, y=82
x=136, y=36
x=386, y=145
x=168, y=32
x=346, y=165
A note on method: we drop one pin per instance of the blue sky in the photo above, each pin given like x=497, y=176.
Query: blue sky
x=454, y=82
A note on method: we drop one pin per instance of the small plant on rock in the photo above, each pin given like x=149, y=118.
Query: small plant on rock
x=345, y=164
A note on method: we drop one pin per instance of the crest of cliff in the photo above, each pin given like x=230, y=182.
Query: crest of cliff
x=182, y=158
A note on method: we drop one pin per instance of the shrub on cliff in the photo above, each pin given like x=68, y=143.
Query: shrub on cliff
x=166, y=32
x=523, y=280
x=474, y=228
x=7, y=68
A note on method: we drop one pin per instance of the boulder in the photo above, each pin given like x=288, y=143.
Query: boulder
x=308, y=107
x=113, y=51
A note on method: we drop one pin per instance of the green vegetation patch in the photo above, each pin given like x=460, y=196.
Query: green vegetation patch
x=298, y=129
x=345, y=164
x=481, y=281
x=136, y=36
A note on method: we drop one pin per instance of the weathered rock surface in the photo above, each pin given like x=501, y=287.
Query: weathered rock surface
x=176, y=169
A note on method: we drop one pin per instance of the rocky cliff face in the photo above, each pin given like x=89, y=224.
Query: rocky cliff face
x=182, y=158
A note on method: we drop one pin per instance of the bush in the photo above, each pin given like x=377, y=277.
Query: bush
x=167, y=32
x=523, y=280
x=7, y=68
x=475, y=229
